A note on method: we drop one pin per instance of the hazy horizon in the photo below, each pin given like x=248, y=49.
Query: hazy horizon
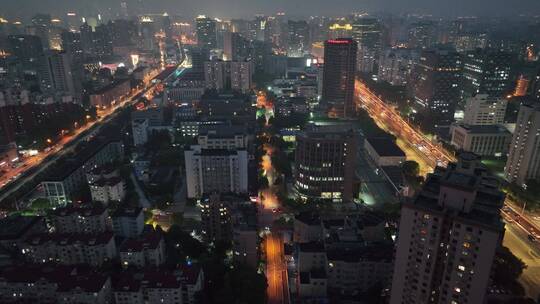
x=299, y=8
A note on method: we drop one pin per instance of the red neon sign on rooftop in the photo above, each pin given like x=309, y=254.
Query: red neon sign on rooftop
x=334, y=41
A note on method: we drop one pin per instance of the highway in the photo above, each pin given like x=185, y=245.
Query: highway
x=276, y=270
x=430, y=154
x=390, y=120
x=516, y=240
x=269, y=206
x=34, y=165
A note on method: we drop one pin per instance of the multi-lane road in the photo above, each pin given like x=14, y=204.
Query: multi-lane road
x=276, y=270
x=12, y=180
x=523, y=235
x=384, y=114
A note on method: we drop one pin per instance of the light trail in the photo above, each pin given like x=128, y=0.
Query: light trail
x=386, y=115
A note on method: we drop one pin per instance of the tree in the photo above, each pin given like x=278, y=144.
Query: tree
x=242, y=285
x=159, y=140
x=41, y=204
x=181, y=244
x=411, y=168
x=507, y=268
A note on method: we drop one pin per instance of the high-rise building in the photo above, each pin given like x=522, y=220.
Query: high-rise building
x=487, y=72
x=123, y=32
x=325, y=160
x=229, y=75
x=27, y=49
x=298, y=42
x=147, y=29
x=87, y=43
x=57, y=75
x=396, y=65
x=340, y=30
x=338, y=77
x=216, y=219
x=470, y=41
x=71, y=44
x=422, y=34
x=215, y=170
x=524, y=157
x=235, y=47
x=448, y=236
x=41, y=26
x=206, y=32
x=436, y=86
x=483, y=109
x=367, y=33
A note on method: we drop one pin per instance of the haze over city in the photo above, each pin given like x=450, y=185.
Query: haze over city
x=299, y=8
x=269, y=152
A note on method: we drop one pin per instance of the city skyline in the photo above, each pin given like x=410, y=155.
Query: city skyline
x=257, y=152
x=299, y=8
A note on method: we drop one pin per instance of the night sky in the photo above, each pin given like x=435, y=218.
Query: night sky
x=246, y=8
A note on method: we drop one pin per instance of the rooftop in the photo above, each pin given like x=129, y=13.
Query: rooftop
x=485, y=129
x=488, y=199
x=127, y=212
x=385, y=147
x=83, y=210
x=70, y=165
x=372, y=253
x=89, y=283
x=15, y=226
x=149, y=240
x=107, y=181
x=312, y=247
x=219, y=131
x=309, y=218
x=65, y=239
x=190, y=273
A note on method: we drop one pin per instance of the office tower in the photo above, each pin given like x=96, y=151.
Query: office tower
x=487, y=72
x=524, y=157
x=483, y=140
x=367, y=33
x=215, y=170
x=470, y=41
x=72, y=21
x=325, y=160
x=87, y=42
x=147, y=32
x=422, y=34
x=259, y=53
x=123, y=32
x=396, y=65
x=71, y=44
x=7, y=131
x=534, y=85
x=124, y=12
x=57, y=75
x=340, y=30
x=484, y=109
x=338, y=77
x=436, y=86
x=55, y=37
x=215, y=219
x=27, y=49
x=298, y=42
x=166, y=25
x=229, y=75
x=41, y=26
x=235, y=47
x=206, y=32
x=102, y=41
x=448, y=236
